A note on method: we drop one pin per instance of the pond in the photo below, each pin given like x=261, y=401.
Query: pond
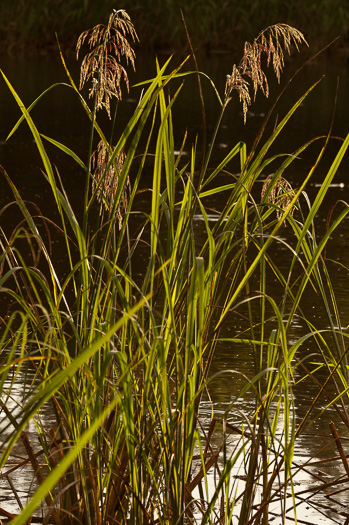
x=59, y=116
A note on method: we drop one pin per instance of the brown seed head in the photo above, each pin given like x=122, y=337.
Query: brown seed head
x=280, y=194
x=105, y=183
x=273, y=41
x=108, y=44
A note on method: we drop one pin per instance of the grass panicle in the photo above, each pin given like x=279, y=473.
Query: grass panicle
x=106, y=178
x=280, y=194
x=108, y=45
x=272, y=42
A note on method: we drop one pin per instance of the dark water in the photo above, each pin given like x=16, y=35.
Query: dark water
x=59, y=115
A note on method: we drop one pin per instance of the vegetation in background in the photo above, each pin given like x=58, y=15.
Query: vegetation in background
x=213, y=25
x=124, y=360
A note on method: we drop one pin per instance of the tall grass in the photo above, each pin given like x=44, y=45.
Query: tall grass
x=124, y=360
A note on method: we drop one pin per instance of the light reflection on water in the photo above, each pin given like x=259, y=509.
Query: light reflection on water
x=60, y=118
x=15, y=393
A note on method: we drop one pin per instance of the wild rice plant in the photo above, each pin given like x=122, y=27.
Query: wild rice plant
x=124, y=361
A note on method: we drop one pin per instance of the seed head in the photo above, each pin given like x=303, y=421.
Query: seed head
x=108, y=45
x=280, y=194
x=105, y=183
x=272, y=41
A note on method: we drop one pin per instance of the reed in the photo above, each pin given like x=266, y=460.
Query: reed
x=124, y=360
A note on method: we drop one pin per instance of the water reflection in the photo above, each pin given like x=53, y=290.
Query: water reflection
x=17, y=479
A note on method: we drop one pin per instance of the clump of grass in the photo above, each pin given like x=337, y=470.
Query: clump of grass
x=124, y=359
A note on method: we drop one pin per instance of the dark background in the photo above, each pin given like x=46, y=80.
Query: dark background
x=30, y=26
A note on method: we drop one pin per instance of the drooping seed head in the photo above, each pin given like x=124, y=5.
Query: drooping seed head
x=272, y=41
x=279, y=194
x=108, y=44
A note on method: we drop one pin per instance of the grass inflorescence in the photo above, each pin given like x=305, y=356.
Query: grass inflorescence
x=123, y=360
